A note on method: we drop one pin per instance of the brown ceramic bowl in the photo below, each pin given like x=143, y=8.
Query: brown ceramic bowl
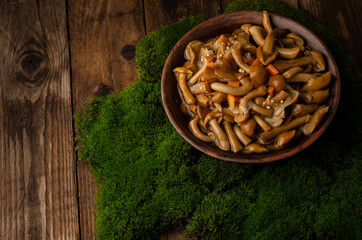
x=226, y=24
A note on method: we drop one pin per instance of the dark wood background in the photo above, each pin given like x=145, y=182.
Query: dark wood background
x=56, y=54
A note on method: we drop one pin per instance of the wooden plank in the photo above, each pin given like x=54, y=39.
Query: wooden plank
x=38, y=184
x=341, y=17
x=103, y=38
x=294, y=3
x=171, y=11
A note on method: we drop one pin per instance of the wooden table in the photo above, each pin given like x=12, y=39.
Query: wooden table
x=56, y=54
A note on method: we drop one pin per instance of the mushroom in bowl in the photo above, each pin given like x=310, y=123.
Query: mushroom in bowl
x=250, y=87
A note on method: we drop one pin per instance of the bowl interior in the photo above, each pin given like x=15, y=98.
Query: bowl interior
x=226, y=24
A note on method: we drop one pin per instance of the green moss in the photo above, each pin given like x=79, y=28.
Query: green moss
x=151, y=180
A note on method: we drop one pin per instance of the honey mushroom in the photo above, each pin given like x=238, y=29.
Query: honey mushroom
x=242, y=137
x=254, y=148
x=316, y=119
x=237, y=91
x=285, y=138
x=182, y=74
x=193, y=124
x=273, y=133
x=199, y=73
x=260, y=91
x=299, y=110
x=222, y=72
x=316, y=97
x=233, y=139
x=222, y=139
x=291, y=72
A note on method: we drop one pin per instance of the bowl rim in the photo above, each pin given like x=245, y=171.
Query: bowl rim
x=244, y=158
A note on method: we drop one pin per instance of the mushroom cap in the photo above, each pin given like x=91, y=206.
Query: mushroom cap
x=245, y=27
x=180, y=70
x=189, y=47
x=319, y=64
x=258, y=76
x=297, y=39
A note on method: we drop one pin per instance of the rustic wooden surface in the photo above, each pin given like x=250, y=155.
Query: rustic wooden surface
x=57, y=54
x=38, y=185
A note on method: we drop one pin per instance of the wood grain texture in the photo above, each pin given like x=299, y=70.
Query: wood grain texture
x=294, y=3
x=342, y=18
x=37, y=166
x=171, y=11
x=103, y=38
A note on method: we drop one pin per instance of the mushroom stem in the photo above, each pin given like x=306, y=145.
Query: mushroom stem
x=261, y=123
x=284, y=65
x=313, y=58
x=186, y=93
x=211, y=115
x=203, y=99
x=299, y=110
x=317, y=97
x=260, y=91
x=267, y=136
x=233, y=139
x=282, y=95
x=237, y=91
x=201, y=71
x=223, y=140
x=235, y=52
x=318, y=83
x=269, y=44
x=196, y=130
x=228, y=112
x=300, y=77
x=266, y=22
x=261, y=110
x=242, y=137
x=316, y=119
x=291, y=72
x=256, y=33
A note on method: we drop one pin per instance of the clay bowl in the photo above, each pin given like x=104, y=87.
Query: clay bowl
x=226, y=24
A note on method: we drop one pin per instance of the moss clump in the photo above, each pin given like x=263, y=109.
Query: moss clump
x=151, y=180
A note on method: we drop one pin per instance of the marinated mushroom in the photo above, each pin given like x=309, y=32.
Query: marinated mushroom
x=194, y=78
x=237, y=91
x=255, y=148
x=285, y=138
x=242, y=137
x=299, y=110
x=233, y=139
x=278, y=83
x=222, y=139
x=251, y=98
x=258, y=76
x=291, y=72
x=313, y=58
x=316, y=119
x=197, y=132
x=318, y=83
x=248, y=127
x=182, y=74
x=316, y=97
x=273, y=133
x=260, y=91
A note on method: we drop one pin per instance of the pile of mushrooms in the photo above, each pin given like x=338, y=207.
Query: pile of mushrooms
x=254, y=90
